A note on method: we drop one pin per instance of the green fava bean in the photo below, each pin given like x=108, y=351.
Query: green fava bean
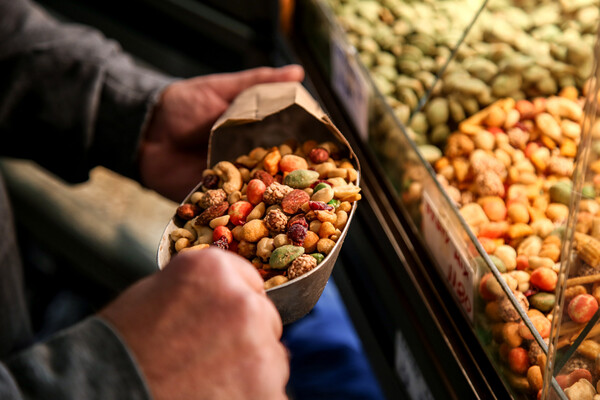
x=301, y=178
x=499, y=264
x=481, y=264
x=560, y=192
x=284, y=255
x=334, y=202
x=320, y=186
x=543, y=301
x=319, y=257
x=588, y=192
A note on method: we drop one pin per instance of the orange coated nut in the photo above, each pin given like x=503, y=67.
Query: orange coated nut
x=510, y=334
x=518, y=360
x=493, y=230
x=544, y=278
x=310, y=242
x=325, y=245
x=271, y=161
x=518, y=213
x=221, y=231
x=582, y=308
x=492, y=310
x=326, y=230
x=493, y=207
x=255, y=190
x=540, y=323
x=535, y=378
x=238, y=212
x=483, y=290
x=291, y=162
x=254, y=230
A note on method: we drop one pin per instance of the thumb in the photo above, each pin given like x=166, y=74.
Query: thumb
x=229, y=85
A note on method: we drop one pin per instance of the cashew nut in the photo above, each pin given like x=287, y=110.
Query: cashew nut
x=196, y=247
x=189, y=226
x=337, y=173
x=181, y=244
x=205, y=234
x=231, y=176
x=207, y=172
x=337, y=181
x=264, y=248
x=245, y=172
x=324, y=168
x=258, y=153
x=247, y=161
x=196, y=197
x=182, y=233
x=234, y=197
x=275, y=281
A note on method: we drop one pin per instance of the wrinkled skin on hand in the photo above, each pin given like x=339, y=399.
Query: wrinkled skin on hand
x=173, y=151
x=203, y=328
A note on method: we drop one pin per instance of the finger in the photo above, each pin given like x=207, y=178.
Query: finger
x=255, y=281
x=270, y=312
x=280, y=374
x=243, y=266
x=213, y=257
x=231, y=84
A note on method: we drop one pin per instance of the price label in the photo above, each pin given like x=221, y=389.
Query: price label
x=349, y=85
x=454, y=266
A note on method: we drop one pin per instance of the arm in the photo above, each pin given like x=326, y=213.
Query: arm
x=69, y=98
x=88, y=361
x=203, y=328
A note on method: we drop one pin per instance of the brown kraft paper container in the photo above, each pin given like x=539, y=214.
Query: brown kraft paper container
x=267, y=115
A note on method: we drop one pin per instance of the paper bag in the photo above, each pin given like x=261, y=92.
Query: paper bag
x=267, y=115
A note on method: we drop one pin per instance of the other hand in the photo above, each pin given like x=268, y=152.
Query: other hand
x=173, y=150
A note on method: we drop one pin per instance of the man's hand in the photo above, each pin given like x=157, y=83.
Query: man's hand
x=173, y=151
x=203, y=328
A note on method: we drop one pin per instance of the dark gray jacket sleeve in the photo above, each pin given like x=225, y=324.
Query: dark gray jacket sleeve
x=69, y=98
x=87, y=362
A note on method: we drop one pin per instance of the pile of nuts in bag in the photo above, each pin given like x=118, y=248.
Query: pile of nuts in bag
x=283, y=208
x=508, y=169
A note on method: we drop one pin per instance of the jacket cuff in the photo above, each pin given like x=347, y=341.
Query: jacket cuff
x=87, y=361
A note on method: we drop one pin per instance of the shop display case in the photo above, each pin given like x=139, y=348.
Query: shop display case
x=433, y=303
x=426, y=85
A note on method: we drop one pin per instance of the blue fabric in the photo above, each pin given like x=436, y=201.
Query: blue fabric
x=327, y=359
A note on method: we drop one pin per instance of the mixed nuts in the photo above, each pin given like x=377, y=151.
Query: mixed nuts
x=283, y=208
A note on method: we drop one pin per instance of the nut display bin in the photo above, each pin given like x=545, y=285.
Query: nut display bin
x=574, y=345
x=523, y=52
